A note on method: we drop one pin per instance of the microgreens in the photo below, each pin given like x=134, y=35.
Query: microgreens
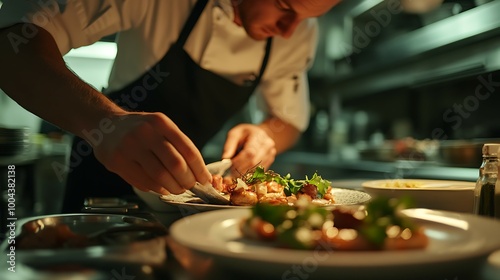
x=291, y=185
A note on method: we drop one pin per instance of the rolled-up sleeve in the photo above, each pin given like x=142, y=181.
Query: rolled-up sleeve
x=72, y=24
x=284, y=91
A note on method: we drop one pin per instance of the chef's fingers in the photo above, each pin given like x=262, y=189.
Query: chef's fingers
x=150, y=150
x=170, y=164
x=133, y=173
x=259, y=149
x=158, y=173
x=264, y=147
x=250, y=157
x=142, y=170
x=166, y=155
x=234, y=142
x=183, y=145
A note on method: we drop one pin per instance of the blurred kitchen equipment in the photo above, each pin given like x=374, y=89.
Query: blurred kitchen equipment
x=420, y=6
x=456, y=153
x=461, y=153
x=126, y=234
x=446, y=10
x=481, y=2
x=408, y=149
x=74, y=272
x=105, y=202
x=108, y=205
x=487, y=191
x=13, y=141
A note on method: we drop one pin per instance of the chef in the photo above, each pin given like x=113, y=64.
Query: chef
x=182, y=69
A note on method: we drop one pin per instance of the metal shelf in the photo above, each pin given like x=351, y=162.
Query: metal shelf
x=308, y=163
x=459, y=46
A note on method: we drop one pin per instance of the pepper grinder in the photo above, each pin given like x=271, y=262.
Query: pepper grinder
x=487, y=190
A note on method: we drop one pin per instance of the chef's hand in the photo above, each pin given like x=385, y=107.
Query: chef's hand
x=150, y=152
x=249, y=145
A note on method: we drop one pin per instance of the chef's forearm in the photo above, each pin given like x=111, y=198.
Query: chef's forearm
x=34, y=74
x=284, y=134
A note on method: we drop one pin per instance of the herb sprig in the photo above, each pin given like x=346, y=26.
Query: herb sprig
x=291, y=185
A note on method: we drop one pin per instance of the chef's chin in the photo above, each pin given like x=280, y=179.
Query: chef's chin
x=258, y=35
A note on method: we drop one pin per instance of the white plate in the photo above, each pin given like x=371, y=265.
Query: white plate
x=187, y=202
x=459, y=244
x=434, y=194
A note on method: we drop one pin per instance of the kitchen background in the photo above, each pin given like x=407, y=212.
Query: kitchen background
x=394, y=93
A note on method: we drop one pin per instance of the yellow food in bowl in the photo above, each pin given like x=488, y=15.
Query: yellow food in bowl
x=402, y=184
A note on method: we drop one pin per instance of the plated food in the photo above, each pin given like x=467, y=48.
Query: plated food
x=256, y=186
x=453, y=249
x=378, y=226
x=261, y=186
x=188, y=203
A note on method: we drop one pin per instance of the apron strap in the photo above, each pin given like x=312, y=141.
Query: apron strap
x=191, y=21
x=265, y=60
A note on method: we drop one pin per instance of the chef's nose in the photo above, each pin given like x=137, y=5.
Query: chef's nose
x=287, y=25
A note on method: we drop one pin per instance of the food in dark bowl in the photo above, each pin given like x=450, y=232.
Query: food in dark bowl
x=75, y=231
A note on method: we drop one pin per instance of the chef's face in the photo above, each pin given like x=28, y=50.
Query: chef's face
x=266, y=18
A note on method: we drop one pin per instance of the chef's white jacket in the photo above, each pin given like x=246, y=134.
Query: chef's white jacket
x=147, y=28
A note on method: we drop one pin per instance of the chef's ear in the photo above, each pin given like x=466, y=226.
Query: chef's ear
x=420, y=6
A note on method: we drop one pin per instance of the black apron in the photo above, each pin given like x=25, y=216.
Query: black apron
x=197, y=100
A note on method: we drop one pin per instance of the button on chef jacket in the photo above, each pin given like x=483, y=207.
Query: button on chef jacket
x=146, y=29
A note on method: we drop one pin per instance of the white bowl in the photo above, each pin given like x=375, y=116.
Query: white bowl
x=455, y=196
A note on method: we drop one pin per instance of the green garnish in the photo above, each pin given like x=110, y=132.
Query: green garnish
x=273, y=214
x=259, y=175
x=383, y=212
x=320, y=183
x=297, y=227
x=291, y=185
x=294, y=225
